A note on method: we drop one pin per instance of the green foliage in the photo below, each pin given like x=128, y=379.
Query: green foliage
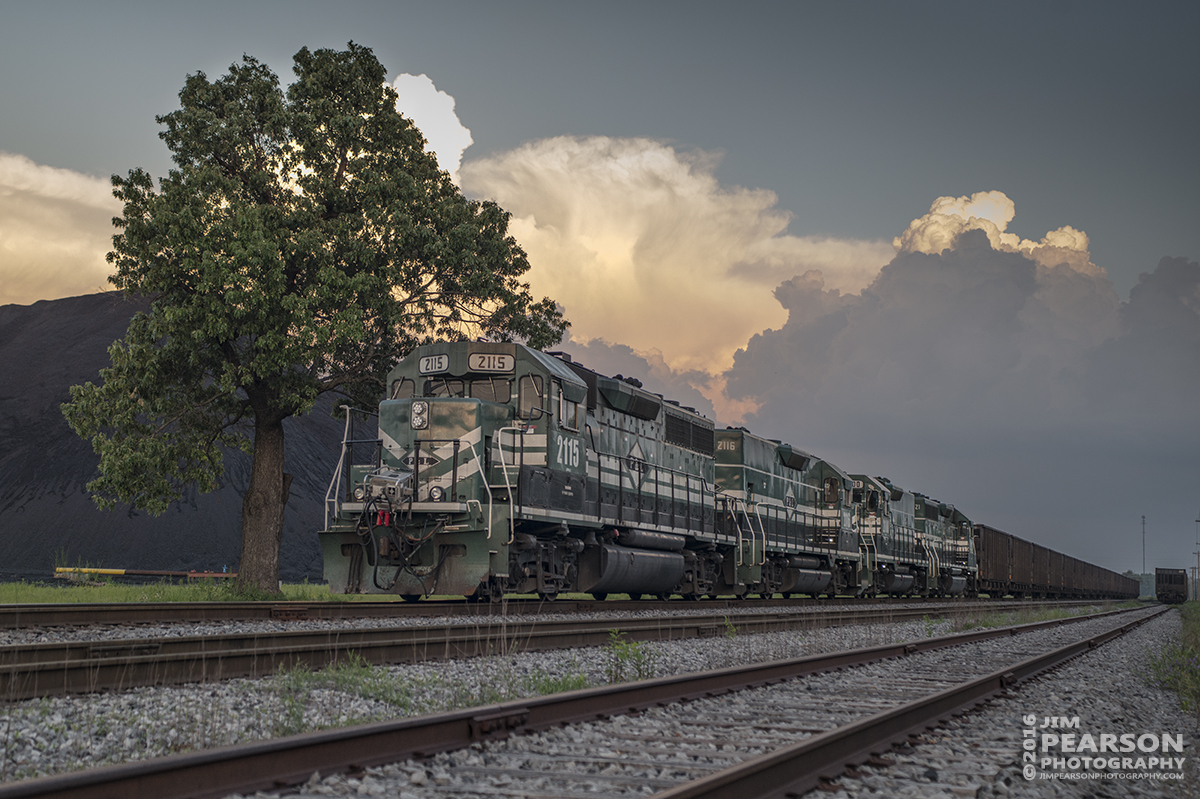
x=303, y=242
x=208, y=590
x=990, y=619
x=400, y=694
x=1176, y=667
x=628, y=660
x=730, y=630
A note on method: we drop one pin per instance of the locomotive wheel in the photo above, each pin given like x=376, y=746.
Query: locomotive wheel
x=599, y=595
x=411, y=597
x=547, y=597
x=664, y=597
x=691, y=597
x=786, y=595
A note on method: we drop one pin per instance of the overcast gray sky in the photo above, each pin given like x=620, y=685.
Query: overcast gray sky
x=933, y=230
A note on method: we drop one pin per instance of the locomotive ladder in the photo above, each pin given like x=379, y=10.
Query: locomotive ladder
x=750, y=515
x=871, y=561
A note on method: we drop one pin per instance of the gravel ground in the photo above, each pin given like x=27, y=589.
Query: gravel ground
x=109, y=632
x=980, y=754
x=54, y=735
x=58, y=734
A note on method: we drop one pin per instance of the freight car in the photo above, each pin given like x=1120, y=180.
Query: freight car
x=495, y=469
x=1170, y=585
x=1012, y=565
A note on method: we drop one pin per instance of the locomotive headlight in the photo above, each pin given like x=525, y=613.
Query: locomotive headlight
x=437, y=493
x=420, y=419
x=359, y=493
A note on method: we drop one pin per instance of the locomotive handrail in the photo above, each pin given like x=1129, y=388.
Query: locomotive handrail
x=331, y=493
x=512, y=528
x=762, y=528
x=483, y=479
x=739, y=504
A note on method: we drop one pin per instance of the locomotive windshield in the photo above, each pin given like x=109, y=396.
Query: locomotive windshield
x=530, y=396
x=490, y=389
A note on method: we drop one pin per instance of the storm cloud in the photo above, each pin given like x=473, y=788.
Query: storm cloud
x=981, y=365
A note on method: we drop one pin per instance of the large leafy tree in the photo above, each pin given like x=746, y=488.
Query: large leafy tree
x=302, y=243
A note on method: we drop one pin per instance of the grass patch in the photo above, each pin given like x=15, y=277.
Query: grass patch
x=983, y=620
x=1176, y=667
x=207, y=590
x=626, y=661
x=307, y=697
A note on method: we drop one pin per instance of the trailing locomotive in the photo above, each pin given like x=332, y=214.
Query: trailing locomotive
x=500, y=469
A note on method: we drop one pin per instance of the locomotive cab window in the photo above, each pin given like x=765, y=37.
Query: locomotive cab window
x=492, y=389
x=530, y=392
x=404, y=388
x=831, y=491
x=873, y=502
x=443, y=387
x=568, y=411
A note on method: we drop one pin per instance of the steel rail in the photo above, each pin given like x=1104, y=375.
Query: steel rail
x=20, y=616
x=273, y=764
x=802, y=766
x=30, y=671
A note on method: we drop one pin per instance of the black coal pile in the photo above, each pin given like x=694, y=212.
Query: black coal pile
x=46, y=515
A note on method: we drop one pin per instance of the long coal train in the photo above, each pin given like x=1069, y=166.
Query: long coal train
x=499, y=469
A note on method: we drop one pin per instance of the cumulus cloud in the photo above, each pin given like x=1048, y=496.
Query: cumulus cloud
x=433, y=112
x=1147, y=379
x=990, y=212
x=973, y=360
x=55, y=229
x=642, y=245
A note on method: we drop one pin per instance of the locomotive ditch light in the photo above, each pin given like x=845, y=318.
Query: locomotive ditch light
x=360, y=493
x=419, y=419
x=437, y=493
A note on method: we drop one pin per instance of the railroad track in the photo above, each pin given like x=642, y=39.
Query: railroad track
x=22, y=616
x=48, y=669
x=719, y=744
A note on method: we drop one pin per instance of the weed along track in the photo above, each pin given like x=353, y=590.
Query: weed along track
x=82, y=666
x=613, y=741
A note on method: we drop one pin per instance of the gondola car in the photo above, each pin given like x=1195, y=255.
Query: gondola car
x=1170, y=585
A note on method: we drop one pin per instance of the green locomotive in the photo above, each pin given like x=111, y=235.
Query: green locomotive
x=912, y=544
x=793, y=515
x=500, y=469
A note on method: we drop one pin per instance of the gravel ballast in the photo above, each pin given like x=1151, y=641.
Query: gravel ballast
x=116, y=632
x=54, y=735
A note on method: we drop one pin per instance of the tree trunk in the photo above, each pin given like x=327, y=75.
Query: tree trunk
x=262, y=507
